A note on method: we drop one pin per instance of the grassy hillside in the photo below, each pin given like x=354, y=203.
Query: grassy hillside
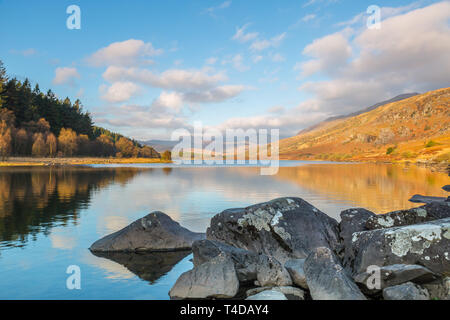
x=414, y=129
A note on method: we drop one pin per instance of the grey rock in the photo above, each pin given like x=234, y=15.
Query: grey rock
x=429, y=212
x=284, y=228
x=216, y=278
x=397, y=274
x=155, y=232
x=290, y=292
x=272, y=295
x=446, y=188
x=438, y=290
x=245, y=262
x=295, y=269
x=426, y=199
x=352, y=220
x=271, y=273
x=406, y=291
x=327, y=279
x=425, y=244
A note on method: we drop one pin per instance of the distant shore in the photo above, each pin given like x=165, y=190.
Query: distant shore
x=29, y=161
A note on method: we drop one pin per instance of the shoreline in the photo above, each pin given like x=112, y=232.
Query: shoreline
x=49, y=162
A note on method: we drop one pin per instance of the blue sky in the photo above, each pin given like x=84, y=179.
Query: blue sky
x=145, y=68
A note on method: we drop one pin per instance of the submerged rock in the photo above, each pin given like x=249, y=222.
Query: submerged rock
x=406, y=291
x=284, y=228
x=149, y=266
x=216, y=278
x=429, y=212
x=397, y=274
x=427, y=244
x=295, y=269
x=327, y=279
x=245, y=262
x=154, y=232
x=426, y=199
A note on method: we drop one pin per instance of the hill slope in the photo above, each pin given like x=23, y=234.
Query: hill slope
x=416, y=128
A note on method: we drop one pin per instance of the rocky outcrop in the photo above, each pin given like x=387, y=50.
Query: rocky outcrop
x=396, y=274
x=295, y=269
x=285, y=228
x=425, y=244
x=327, y=279
x=429, y=212
x=406, y=291
x=216, y=278
x=155, y=232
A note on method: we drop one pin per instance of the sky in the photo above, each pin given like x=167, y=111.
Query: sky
x=145, y=68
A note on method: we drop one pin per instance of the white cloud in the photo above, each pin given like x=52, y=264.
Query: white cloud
x=223, y=5
x=65, y=76
x=308, y=17
x=172, y=79
x=126, y=53
x=119, y=91
x=171, y=100
x=408, y=54
x=274, y=42
x=243, y=37
x=218, y=94
x=238, y=63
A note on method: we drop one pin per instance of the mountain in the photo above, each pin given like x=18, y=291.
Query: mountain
x=411, y=127
x=160, y=145
x=354, y=114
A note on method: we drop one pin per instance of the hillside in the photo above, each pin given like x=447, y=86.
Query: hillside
x=413, y=129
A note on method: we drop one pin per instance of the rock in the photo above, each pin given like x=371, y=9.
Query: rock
x=438, y=290
x=429, y=212
x=273, y=295
x=149, y=266
x=397, y=274
x=245, y=262
x=327, y=279
x=284, y=228
x=425, y=244
x=213, y=279
x=352, y=220
x=295, y=269
x=446, y=188
x=406, y=291
x=271, y=273
x=155, y=232
x=290, y=292
x=426, y=199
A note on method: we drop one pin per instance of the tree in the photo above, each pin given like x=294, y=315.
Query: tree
x=21, y=142
x=5, y=140
x=125, y=148
x=67, y=142
x=105, y=146
x=84, y=145
x=39, y=148
x=166, y=156
x=52, y=144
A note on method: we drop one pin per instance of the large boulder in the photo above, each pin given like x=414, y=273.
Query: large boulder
x=216, y=278
x=406, y=291
x=429, y=212
x=295, y=269
x=427, y=199
x=424, y=244
x=393, y=275
x=327, y=279
x=284, y=228
x=154, y=232
x=245, y=262
x=352, y=220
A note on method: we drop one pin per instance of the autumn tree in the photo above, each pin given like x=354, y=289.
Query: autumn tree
x=105, y=146
x=68, y=142
x=21, y=142
x=52, y=144
x=125, y=148
x=166, y=156
x=5, y=140
x=39, y=148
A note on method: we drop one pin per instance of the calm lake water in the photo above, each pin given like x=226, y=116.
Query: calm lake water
x=49, y=217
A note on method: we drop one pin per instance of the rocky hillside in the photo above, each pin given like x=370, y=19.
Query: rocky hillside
x=413, y=129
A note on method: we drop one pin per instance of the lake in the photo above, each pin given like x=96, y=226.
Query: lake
x=50, y=216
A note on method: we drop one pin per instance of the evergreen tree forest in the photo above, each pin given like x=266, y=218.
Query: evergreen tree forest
x=33, y=123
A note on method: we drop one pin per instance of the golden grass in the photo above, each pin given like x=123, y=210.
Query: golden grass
x=15, y=162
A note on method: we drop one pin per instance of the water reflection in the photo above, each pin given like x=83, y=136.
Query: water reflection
x=34, y=200
x=149, y=266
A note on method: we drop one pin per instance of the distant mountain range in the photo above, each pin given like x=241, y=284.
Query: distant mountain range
x=160, y=145
x=413, y=127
